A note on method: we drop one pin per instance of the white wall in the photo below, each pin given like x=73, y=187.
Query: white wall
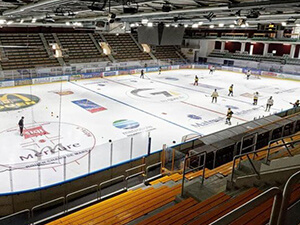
x=206, y=47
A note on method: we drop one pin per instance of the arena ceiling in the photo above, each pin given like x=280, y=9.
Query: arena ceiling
x=92, y=12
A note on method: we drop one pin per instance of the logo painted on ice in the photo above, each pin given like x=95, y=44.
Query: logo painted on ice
x=171, y=78
x=157, y=95
x=126, y=124
x=232, y=107
x=42, y=146
x=15, y=101
x=194, y=117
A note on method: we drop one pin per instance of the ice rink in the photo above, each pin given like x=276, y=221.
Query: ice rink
x=84, y=115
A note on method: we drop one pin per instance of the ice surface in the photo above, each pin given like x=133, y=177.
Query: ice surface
x=128, y=110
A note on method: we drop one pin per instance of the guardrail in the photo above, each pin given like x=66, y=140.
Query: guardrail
x=280, y=204
x=147, y=178
x=254, y=152
x=199, y=166
x=4, y=220
x=64, y=201
x=248, y=206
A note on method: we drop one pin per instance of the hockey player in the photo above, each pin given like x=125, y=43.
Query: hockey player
x=296, y=104
x=212, y=70
x=142, y=74
x=159, y=70
x=214, y=96
x=196, y=80
x=255, y=98
x=228, y=116
x=248, y=74
x=21, y=125
x=270, y=102
x=230, y=90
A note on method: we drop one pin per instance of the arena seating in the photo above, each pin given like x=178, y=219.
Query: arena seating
x=80, y=47
x=76, y=48
x=167, y=52
x=124, y=48
x=32, y=55
x=123, y=208
x=135, y=205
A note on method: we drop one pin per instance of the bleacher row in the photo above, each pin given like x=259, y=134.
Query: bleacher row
x=242, y=56
x=141, y=206
x=31, y=52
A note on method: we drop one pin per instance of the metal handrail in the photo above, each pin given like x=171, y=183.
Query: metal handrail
x=254, y=135
x=134, y=168
x=134, y=175
x=108, y=181
x=249, y=153
x=82, y=190
x=17, y=213
x=248, y=206
x=46, y=203
x=153, y=165
x=196, y=168
x=287, y=191
x=284, y=144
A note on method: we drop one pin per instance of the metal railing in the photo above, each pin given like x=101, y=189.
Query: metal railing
x=60, y=199
x=250, y=205
x=240, y=157
x=287, y=191
x=147, y=178
x=122, y=177
x=3, y=220
x=199, y=166
x=279, y=208
x=285, y=144
x=95, y=186
x=64, y=201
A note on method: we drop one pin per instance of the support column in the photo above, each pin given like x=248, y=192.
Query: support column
x=222, y=46
x=266, y=48
x=243, y=46
x=292, y=52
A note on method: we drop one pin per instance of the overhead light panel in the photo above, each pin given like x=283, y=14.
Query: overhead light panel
x=150, y=24
x=231, y=26
x=195, y=25
x=221, y=24
x=186, y=25
x=283, y=23
x=211, y=26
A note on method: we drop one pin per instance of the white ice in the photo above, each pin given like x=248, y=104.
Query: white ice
x=166, y=107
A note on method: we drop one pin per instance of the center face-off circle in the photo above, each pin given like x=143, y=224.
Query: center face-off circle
x=41, y=143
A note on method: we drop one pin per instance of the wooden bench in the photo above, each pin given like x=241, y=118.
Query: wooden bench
x=116, y=213
x=170, y=212
x=105, y=204
x=192, y=212
x=146, y=207
x=226, y=207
